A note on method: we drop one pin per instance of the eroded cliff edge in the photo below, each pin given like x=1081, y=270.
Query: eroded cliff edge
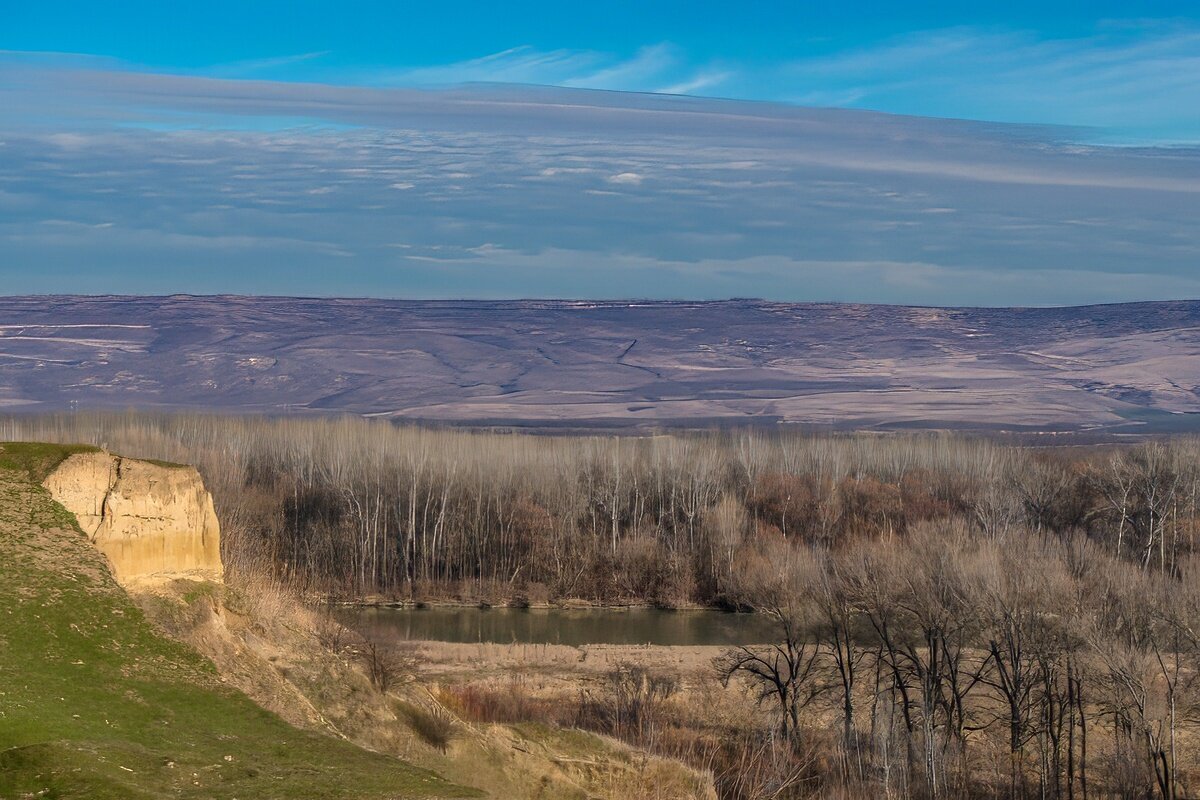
x=151, y=520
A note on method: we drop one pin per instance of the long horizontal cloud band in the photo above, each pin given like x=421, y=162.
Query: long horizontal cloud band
x=127, y=181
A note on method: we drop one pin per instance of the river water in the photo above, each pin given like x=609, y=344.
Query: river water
x=569, y=626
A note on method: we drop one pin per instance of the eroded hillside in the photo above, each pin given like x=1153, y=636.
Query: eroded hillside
x=1124, y=367
x=150, y=519
x=96, y=703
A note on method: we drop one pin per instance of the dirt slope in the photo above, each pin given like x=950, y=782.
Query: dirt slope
x=150, y=519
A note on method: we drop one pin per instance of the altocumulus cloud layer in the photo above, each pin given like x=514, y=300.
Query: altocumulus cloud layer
x=113, y=180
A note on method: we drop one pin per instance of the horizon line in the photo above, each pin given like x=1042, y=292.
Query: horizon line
x=584, y=300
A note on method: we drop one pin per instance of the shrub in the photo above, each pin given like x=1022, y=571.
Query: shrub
x=386, y=664
x=510, y=704
x=436, y=728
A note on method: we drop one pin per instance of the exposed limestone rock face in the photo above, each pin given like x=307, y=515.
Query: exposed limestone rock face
x=150, y=520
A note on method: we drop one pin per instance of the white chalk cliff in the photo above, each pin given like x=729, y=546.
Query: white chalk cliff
x=150, y=520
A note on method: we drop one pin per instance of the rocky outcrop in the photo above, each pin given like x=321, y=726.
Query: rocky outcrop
x=151, y=520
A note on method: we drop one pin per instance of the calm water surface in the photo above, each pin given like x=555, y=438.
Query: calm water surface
x=561, y=626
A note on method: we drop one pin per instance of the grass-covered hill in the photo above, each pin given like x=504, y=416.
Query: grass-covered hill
x=95, y=703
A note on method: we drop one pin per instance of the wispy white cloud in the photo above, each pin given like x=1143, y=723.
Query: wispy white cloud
x=703, y=81
x=659, y=67
x=256, y=67
x=638, y=73
x=1132, y=81
x=626, y=178
x=1136, y=80
x=514, y=65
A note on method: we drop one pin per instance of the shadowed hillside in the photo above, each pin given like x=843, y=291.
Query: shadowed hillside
x=1132, y=367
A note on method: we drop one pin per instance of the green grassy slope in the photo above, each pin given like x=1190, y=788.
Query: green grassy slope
x=95, y=703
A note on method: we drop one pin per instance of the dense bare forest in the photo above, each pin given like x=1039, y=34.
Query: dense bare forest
x=956, y=617
x=353, y=507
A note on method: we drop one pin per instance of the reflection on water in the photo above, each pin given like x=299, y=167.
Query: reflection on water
x=560, y=626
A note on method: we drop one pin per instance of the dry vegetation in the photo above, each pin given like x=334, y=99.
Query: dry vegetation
x=317, y=674
x=955, y=617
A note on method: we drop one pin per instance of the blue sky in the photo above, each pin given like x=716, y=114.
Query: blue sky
x=348, y=148
x=1127, y=71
